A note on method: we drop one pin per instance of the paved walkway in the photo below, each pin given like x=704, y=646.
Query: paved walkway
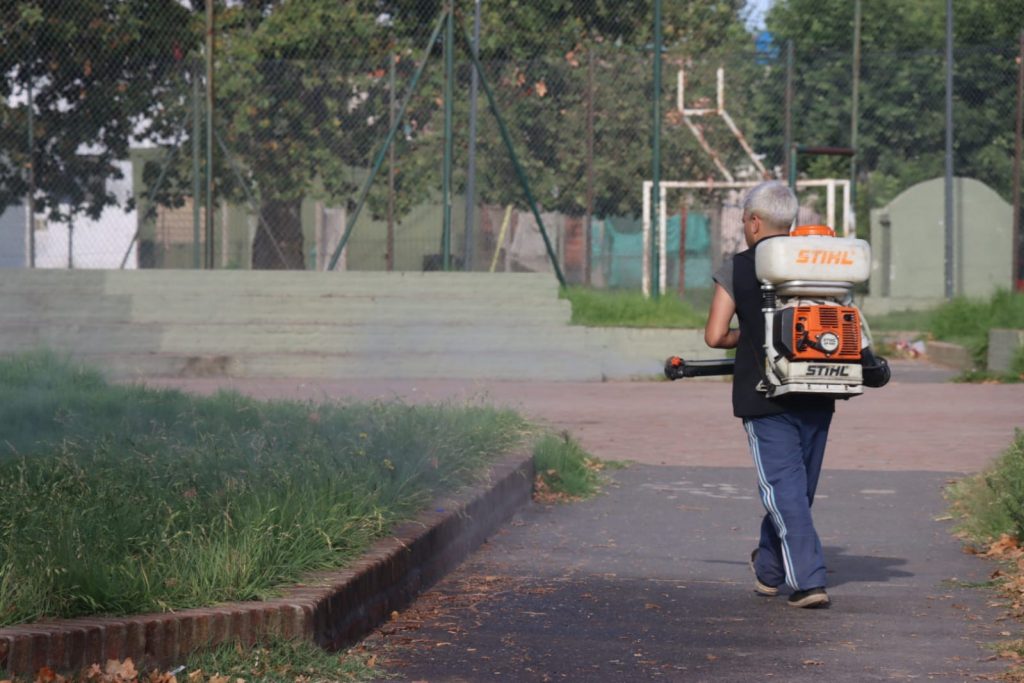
x=648, y=581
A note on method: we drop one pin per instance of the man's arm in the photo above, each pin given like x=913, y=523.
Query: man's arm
x=717, y=334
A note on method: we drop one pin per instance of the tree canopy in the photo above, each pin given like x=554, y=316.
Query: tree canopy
x=97, y=69
x=304, y=89
x=303, y=106
x=902, y=117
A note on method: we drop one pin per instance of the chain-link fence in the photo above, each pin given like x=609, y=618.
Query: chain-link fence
x=132, y=144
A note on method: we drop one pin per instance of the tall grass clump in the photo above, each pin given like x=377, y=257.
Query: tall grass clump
x=1017, y=363
x=967, y=321
x=121, y=499
x=564, y=469
x=991, y=503
x=962, y=321
x=615, y=308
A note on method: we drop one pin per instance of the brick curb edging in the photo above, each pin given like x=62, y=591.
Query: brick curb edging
x=333, y=608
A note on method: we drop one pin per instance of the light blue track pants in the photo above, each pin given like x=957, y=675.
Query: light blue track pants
x=788, y=450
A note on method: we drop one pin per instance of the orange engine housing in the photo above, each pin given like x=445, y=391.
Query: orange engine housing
x=818, y=333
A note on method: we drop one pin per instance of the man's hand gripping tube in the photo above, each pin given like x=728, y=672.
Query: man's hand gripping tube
x=677, y=368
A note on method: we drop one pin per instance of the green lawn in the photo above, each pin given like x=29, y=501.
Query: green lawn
x=961, y=321
x=619, y=308
x=991, y=503
x=123, y=499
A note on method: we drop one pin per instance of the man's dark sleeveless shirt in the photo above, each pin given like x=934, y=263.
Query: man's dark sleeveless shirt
x=745, y=289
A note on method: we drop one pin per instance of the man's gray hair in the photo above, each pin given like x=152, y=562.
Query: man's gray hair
x=774, y=202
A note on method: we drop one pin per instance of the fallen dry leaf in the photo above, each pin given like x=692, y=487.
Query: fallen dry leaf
x=48, y=675
x=1006, y=544
x=121, y=671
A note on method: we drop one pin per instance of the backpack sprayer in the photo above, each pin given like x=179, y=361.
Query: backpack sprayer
x=816, y=340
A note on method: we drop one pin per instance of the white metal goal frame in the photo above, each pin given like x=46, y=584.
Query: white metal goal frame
x=830, y=185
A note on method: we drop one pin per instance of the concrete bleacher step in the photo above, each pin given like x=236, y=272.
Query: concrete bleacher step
x=279, y=283
x=266, y=311
x=187, y=338
x=136, y=324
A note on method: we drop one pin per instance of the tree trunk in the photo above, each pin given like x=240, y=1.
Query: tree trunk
x=278, y=244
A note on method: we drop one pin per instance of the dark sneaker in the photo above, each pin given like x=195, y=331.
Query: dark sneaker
x=759, y=587
x=812, y=597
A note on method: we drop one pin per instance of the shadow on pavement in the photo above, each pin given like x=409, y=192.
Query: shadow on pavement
x=844, y=568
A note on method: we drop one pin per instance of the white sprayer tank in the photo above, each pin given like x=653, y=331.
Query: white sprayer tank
x=813, y=265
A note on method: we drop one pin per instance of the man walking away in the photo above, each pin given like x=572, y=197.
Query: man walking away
x=786, y=434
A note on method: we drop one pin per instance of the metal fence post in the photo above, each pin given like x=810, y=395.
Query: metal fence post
x=787, y=136
x=31, y=176
x=590, y=166
x=1017, y=283
x=469, y=248
x=855, y=105
x=197, y=192
x=209, y=134
x=389, y=257
x=656, y=151
x=446, y=190
x=949, y=151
